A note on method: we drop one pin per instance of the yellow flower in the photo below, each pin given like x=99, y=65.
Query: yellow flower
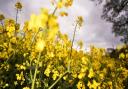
x=80, y=44
x=44, y=17
x=101, y=75
x=52, y=33
x=26, y=88
x=18, y=77
x=63, y=14
x=110, y=83
x=10, y=28
x=65, y=77
x=91, y=73
x=80, y=20
x=22, y=67
x=15, y=83
x=84, y=68
x=52, y=21
x=38, y=21
x=55, y=75
x=84, y=60
x=68, y=3
x=60, y=4
x=32, y=22
x=53, y=27
x=2, y=17
x=74, y=75
x=93, y=85
x=47, y=70
x=80, y=85
x=122, y=56
x=81, y=75
x=18, y=5
x=13, y=40
x=50, y=54
x=40, y=45
x=126, y=56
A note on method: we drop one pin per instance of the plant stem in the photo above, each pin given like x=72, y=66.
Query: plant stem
x=54, y=11
x=72, y=47
x=31, y=44
x=2, y=29
x=2, y=25
x=68, y=71
x=57, y=80
x=16, y=15
x=33, y=80
x=33, y=39
x=16, y=21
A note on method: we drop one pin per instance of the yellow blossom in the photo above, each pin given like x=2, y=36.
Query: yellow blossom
x=110, y=84
x=80, y=85
x=60, y=4
x=15, y=83
x=101, y=75
x=65, y=77
x=81, y=75
x=80, y=20
x=2, y=17
x=80, y=44
x=52, y=21
x=74, y=75
x=38, y=21
x=18, y=5
x=91, y=73
x=93, y=85
x=63, y=14
x=84, y=60
x=47, y=70
x=40, y=45
x=55, y=75
x=22, y=67
x=26, y=88
x=84, y=69
x=18, y=77
x=122, y=56
x=68, y=3
x=13, y=40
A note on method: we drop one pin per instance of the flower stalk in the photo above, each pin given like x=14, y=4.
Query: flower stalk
x=36, y=69
x=70, y=56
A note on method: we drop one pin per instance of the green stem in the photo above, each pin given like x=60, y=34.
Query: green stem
x=72, y=47
x=16, y=21
x=57, y=80
x=31, y=74
x=2, y=25
x=16, y=15
x=54, y=11
x=33, y=81
x=68, y=71
x=33, y=39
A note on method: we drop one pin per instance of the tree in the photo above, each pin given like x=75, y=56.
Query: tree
x=116, y=12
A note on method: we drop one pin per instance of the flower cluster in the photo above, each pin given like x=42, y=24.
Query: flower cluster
x=39, y=56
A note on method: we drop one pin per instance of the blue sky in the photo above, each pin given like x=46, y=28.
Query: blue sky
x=95, y=30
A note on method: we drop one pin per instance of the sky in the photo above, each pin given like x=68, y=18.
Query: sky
x=95, y=31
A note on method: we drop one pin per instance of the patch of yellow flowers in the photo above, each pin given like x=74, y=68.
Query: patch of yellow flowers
x=44, y=49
